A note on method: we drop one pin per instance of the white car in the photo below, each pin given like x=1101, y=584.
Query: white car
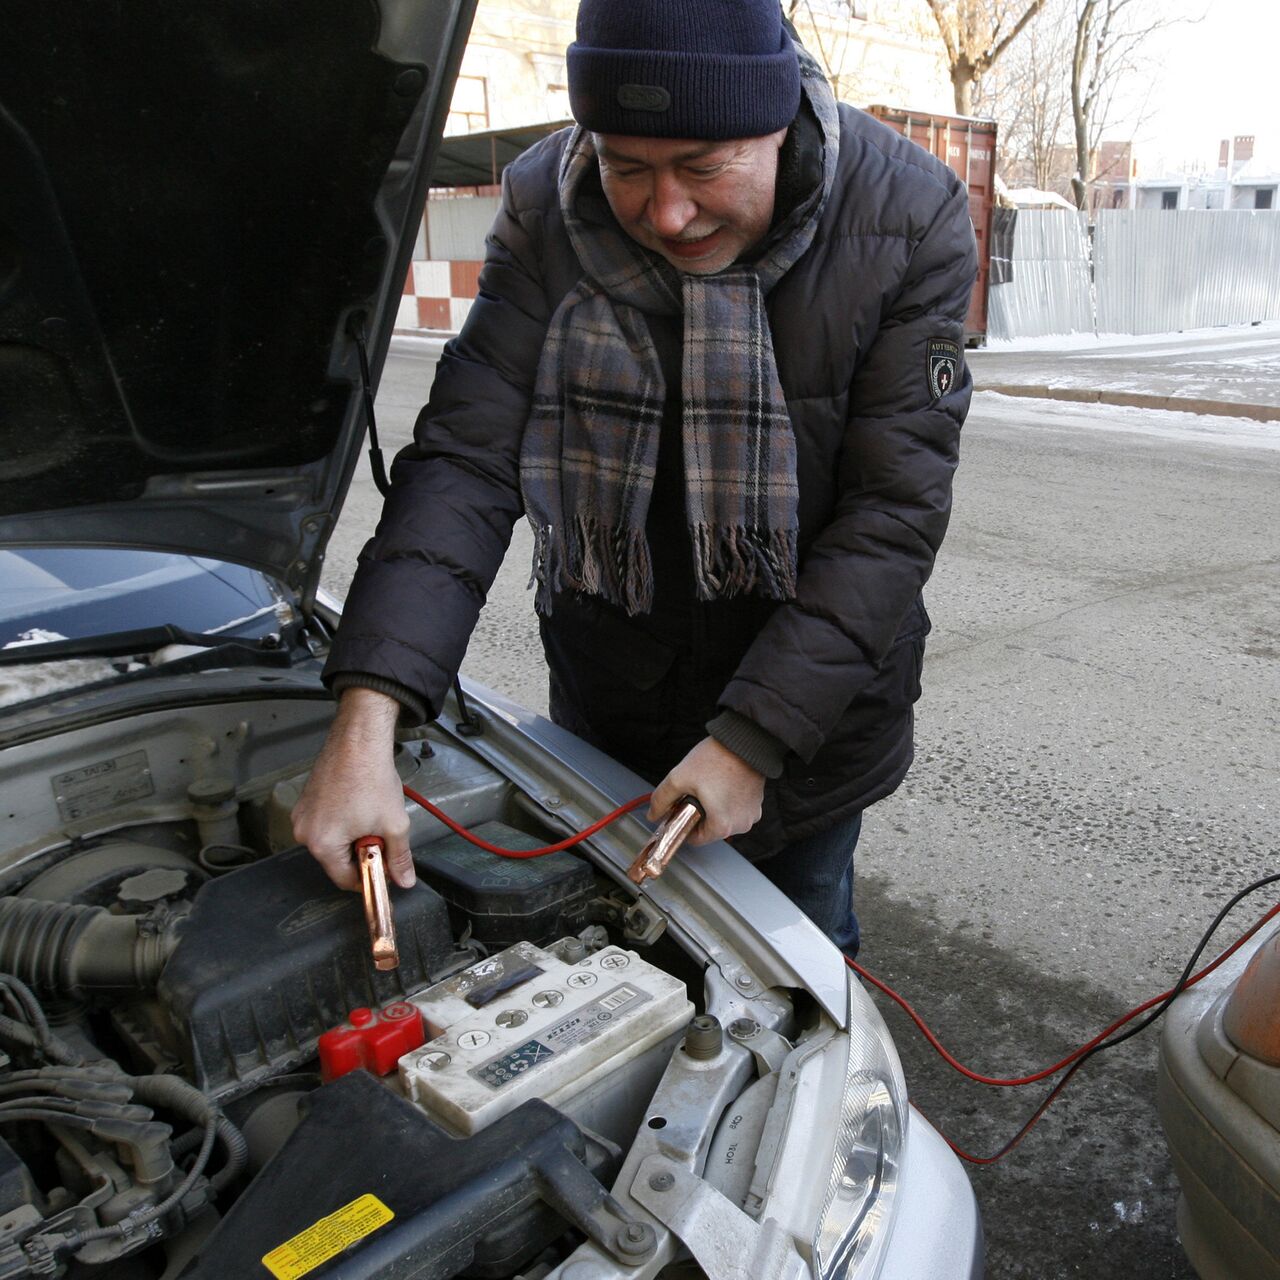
x=1219, y=1097
x=206, y=209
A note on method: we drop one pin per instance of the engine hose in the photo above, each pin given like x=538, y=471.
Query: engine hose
x=72, y=1243
x=48, y=1044
x=237, y=1148
x=232, y=1139
x=69, y=949
x=188, y=1101
x=179, y=1096
x=22, y=1002
x=167, y=1091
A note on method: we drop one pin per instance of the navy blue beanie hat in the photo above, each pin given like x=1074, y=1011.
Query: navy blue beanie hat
x=706, y=69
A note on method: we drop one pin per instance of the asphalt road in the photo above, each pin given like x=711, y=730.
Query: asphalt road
x=1097, y=769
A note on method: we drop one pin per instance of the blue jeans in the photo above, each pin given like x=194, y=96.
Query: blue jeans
x=816, y=873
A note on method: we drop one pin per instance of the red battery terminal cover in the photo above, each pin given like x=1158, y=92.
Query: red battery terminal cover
x=373, y=1039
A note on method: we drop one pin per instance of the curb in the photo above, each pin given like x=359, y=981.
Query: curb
x=1137, y=400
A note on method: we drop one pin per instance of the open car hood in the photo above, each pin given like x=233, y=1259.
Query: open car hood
x=200, y=204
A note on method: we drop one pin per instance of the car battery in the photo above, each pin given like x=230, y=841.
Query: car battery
x=527, y=1024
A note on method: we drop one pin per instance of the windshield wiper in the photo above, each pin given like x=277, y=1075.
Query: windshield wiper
x=123, y=644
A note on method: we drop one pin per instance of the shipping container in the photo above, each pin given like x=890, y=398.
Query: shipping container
x=969, y=147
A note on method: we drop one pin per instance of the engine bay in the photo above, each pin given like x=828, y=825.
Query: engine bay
x=198, y=1049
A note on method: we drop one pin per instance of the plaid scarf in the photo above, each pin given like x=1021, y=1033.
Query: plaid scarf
x=590, y=447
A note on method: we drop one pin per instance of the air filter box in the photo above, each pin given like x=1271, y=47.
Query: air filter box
x=508, y=900
x=272, y=955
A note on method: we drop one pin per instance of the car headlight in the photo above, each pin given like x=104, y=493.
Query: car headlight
x=853, y=1224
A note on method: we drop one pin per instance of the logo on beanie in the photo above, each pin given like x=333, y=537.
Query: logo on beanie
x=643, y=97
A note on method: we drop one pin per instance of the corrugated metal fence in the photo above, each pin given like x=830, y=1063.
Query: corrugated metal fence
x=455, y=229
x=1154, y=271
x=1045, y=278
x=1159, y=271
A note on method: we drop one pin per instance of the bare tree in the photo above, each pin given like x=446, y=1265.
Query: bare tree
x=1109, y=35
x=1029, y=93
x=826, y=24
x=975, y=33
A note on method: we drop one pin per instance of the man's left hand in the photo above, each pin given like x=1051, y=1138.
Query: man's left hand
x=729, y=790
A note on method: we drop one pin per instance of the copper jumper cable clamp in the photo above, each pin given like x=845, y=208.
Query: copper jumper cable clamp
x=667, y=838
x=377, y=902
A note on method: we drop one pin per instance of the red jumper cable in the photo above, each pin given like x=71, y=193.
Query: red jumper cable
x=1071, y=1063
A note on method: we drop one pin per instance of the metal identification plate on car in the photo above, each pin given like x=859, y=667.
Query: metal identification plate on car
x=97, y=788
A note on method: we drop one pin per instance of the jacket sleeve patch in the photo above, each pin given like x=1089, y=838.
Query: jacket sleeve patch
x=943, y=359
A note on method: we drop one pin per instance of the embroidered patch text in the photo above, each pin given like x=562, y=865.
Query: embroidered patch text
x=943, y=364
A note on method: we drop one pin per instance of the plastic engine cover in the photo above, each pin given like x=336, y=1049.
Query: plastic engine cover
x=272, y=955
x=369, y=1188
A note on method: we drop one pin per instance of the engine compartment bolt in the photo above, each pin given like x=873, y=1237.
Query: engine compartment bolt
x=635, y=1239
x=744, y=1028
x=661, y=1182
x=745, y=981
x=704, y=1039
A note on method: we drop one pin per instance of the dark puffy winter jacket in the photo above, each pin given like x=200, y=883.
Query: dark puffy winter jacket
x=831, y=675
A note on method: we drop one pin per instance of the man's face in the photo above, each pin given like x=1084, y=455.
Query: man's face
x=701, y=205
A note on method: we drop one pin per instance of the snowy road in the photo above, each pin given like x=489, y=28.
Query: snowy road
x=1232, y=365
x=1097, y=771
x=1179, y=429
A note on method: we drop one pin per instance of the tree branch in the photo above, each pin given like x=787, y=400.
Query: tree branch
x=1030, y=12
x=938, y=9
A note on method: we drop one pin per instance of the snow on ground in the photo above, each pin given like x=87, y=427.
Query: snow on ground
x=1186, y=428
x=1101, y=341
x=421, y=343
x=1256, y=354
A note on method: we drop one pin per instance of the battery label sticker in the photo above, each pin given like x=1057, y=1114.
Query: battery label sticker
x=573, y=1029
x=511, y=1066
x=327, y=1238
x=96, y=788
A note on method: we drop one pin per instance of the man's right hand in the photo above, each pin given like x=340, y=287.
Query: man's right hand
x=354, y=791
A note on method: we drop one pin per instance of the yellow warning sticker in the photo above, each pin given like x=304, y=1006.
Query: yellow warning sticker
x=327, y=1238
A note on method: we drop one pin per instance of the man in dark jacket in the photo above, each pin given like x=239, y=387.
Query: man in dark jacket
x=716, y=358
